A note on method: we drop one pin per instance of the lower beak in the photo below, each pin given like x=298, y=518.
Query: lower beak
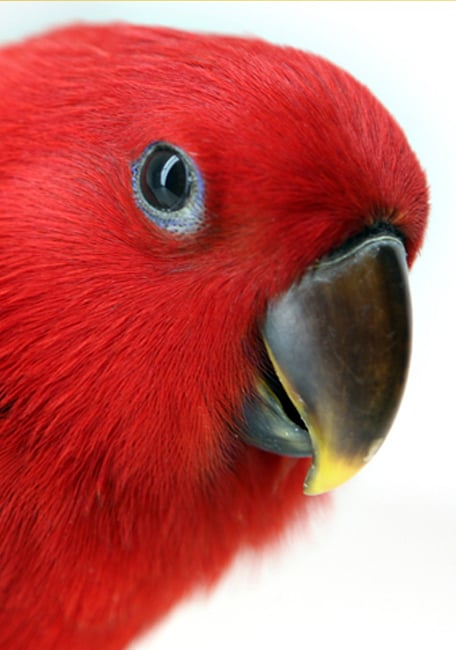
x=339, y=345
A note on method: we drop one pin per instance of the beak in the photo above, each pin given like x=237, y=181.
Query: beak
x=338, y=348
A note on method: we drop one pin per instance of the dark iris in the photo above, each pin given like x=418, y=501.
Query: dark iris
x=165, y=181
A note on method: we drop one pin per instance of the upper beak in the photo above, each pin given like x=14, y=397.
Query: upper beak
x=339, y=345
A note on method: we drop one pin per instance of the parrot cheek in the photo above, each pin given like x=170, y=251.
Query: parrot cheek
x=338, y=347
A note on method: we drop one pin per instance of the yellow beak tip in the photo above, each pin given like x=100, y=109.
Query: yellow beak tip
x=325, y=477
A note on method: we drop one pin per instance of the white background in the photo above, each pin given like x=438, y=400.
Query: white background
x=379, y=569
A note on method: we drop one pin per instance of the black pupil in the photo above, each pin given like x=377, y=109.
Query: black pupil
x=164, y=180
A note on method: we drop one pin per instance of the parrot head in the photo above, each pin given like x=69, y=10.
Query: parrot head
x=205, y=250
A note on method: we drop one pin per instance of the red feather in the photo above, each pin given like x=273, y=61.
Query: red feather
x=125, y=350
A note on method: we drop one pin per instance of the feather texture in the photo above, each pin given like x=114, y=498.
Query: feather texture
x=125, y=350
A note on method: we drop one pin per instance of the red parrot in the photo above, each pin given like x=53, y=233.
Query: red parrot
x=205, y=243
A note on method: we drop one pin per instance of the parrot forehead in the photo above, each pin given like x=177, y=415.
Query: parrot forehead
x=171, y=74
x=249, y=98
x=276, y=133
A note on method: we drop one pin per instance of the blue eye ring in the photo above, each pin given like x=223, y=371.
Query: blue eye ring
x=168, y=188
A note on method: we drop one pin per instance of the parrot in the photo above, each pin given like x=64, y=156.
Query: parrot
x=205, y=315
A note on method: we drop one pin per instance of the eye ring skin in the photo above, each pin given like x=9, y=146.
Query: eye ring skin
x=189, y=218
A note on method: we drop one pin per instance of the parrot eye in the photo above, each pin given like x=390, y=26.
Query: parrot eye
x=168, y=188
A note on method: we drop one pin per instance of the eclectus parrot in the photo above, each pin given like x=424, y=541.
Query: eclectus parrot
x=204, y=251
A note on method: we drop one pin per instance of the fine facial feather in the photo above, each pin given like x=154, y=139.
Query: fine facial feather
x=125, y=350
